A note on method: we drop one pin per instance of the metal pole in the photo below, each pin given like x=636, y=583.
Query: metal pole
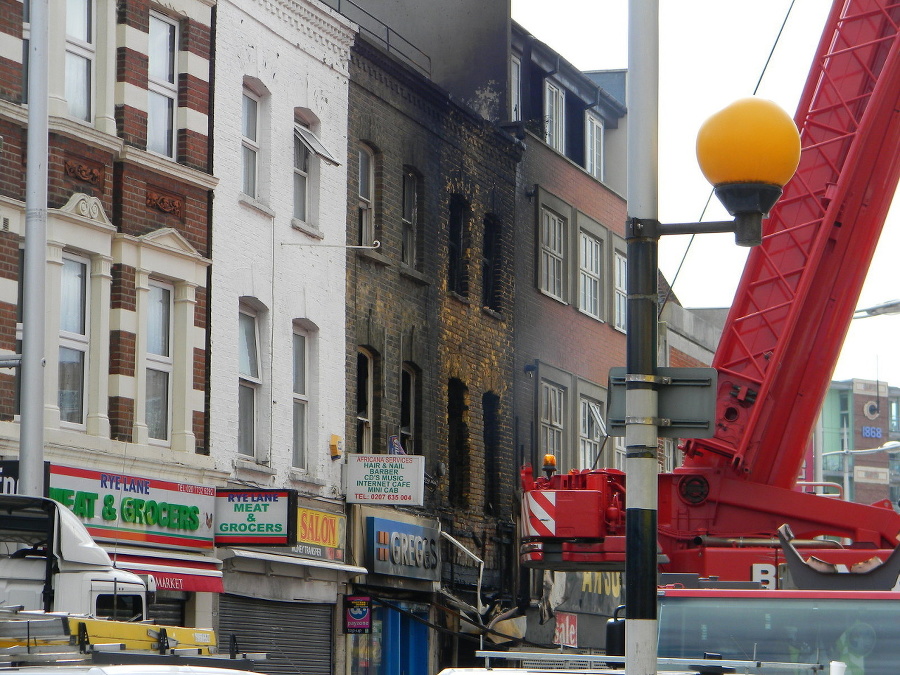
x=846, y=465
x=641, y=402
x=31, y=425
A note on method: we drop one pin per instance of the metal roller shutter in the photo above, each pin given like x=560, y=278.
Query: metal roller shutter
x=296, y=636
x=167, y=608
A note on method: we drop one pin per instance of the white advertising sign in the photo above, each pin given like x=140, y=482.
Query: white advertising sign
x=385, y=479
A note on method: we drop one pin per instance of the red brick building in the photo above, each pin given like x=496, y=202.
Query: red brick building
x=125, y=386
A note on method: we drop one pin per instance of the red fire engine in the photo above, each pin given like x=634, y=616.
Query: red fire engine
x=720, y=511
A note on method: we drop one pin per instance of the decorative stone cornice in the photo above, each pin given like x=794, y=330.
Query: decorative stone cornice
x=325, y=27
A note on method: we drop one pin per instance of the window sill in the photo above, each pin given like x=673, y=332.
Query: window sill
x=493, y=313
x=252, y=203
x=459, y=298
x=250, y=466
x=591, y=316
x=552, y=297
x=373, y=256
x=307, y=228
x=413, y=274
x=303, y=476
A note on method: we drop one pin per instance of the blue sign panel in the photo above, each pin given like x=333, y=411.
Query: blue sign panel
x=402, y=549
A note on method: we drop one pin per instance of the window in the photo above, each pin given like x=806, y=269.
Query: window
x=308, y=151
x=490, y=264
x=490, y=407
x=301, y=401
x=249, y=381
x=410, y=219
x=590, y=277
x=301, y=178
x=249, y=144
x=554, y=116
x=667, y=458
x=593, y=141
x=26, y=38
x=515, y=89
x=621, y=293
x=80, y=51
x=553, y=246
x=552, y=418
x=457, y=280
x=592, y=433
x=364, y=377
x=159, y=361
x=366, y=221
x=621, y=453
x=458, y=442
x=73, y=340
x=894, y=414
x=409, y=410
x=162, y=86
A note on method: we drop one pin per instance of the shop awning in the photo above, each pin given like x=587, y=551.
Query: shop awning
x=351, y=570
x=172, y=571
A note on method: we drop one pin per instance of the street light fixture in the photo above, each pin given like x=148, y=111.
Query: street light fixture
x=889, y=307
x=889, y=447
x=748, y=151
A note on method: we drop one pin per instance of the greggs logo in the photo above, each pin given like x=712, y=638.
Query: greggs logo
x=411, y=550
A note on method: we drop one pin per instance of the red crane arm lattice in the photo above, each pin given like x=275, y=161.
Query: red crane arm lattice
x=795, y=300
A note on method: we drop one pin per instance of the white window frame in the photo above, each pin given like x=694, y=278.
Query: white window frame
x=620, y=284
x=26, y=55
x=592, y=430
x=316, y=153
x=515, y=89
x=161, y=362
x=410, y=218
x=300, y=387
x=593, y=142
x=366, y=176
x=301, y=176
x=621, y=452
x=555, y=116
x=364, y=417
x=86, y=50
x=668, y=451
x=250, y=146
x=166, y=88
x=553, y=254
x=590, y=276
x=249, y=382
x=552, y=418
x=75, y=341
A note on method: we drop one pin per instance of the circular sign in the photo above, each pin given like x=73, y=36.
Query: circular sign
x=870, y=410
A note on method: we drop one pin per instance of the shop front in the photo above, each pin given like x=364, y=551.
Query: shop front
x=285, y=572
x=402, y=554
x=155, y=528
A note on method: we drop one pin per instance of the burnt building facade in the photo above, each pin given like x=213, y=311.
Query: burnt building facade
x=429, y=328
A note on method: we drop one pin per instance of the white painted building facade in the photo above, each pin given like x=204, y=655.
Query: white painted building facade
x=278, y=348
x=278, y=257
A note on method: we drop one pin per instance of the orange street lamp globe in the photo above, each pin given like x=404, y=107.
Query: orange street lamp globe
x=751, y=141
x=748, y=151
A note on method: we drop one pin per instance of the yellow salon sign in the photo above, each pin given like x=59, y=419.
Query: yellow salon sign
x=320, y=534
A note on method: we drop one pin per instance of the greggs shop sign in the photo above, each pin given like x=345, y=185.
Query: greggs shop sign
x=403, y=549
x=135, y=510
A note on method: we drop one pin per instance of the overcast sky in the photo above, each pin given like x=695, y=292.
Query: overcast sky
x=713, y=52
